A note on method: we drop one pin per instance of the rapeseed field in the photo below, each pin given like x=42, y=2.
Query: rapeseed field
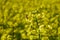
x=29, y=19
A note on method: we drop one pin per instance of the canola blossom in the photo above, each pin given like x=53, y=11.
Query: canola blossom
x=29, y=19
